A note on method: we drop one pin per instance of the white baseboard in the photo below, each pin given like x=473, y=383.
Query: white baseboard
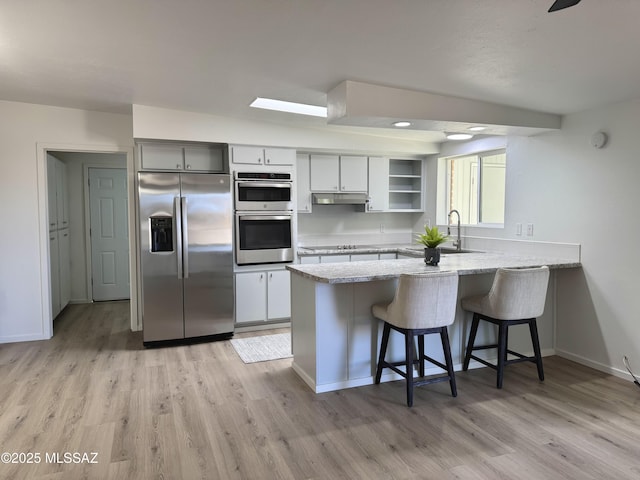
x=262, y=326
x=617, y=372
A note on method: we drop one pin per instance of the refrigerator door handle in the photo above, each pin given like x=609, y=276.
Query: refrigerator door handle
x=185, y=239
x=178, y=220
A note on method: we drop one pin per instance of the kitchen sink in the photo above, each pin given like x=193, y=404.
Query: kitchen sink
x=452, y=251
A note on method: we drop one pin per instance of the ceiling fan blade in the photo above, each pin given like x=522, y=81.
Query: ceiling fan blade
x=560, y=4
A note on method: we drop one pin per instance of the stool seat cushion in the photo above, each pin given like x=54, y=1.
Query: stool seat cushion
x=516, y=293
x=421, y=301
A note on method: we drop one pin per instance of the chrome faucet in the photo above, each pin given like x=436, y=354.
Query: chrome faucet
x=458, y=242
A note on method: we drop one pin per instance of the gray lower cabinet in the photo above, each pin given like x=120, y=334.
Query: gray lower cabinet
x=262, y=296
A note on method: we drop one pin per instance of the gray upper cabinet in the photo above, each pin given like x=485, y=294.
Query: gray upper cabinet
x=248, y=155
x=176, y=157
x=204, y=158
x=333, y=173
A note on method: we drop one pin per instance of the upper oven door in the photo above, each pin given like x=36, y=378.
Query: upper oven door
x=263, y=196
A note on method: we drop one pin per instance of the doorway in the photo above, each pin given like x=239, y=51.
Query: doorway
x=107, y=167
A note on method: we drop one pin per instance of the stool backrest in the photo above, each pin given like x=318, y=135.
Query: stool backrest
x=424, y=300
x=518, y=293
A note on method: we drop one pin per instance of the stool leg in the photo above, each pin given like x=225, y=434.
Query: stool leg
x=444, y=336
x=408, y=340
x=421, y=355
x=472, y=339
x=536, y=347
x=506, y=346
x=502, y=351
x=383, y=350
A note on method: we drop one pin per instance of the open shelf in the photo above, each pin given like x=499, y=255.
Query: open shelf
x=405, y=185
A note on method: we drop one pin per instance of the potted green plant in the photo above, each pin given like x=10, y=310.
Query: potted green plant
x=431, y=238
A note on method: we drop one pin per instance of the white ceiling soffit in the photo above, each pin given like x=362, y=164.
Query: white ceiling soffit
x=366, y=105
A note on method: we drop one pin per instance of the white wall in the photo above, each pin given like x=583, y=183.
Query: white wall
x=24, y=129
x=342, y=224
x=573, y=192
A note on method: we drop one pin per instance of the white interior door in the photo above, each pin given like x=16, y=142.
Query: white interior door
x=109, y=233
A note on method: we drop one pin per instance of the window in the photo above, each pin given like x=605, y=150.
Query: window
x=476, y=187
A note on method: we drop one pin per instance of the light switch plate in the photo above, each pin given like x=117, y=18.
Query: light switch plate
x=530, y=229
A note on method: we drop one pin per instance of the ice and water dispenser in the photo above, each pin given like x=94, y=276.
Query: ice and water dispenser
x=161, y=234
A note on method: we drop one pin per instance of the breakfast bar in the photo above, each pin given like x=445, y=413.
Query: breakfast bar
x=336, y=339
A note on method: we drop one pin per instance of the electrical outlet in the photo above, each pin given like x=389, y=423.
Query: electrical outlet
x=428, y=224
x=382, y=228
x=518, y=229
x=529, y=229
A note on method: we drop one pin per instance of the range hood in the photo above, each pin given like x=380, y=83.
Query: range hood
x=339, y=198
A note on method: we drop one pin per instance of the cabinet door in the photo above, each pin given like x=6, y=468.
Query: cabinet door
x=247, y=155
x=251, y=297
x=325, y=173
x=279, y=295
x=304, y=186
x=161, y=157
x=64, y=267
x=279, y=156
x=353, y=174
x=203, y=159
x=360, y=257
x=378, y=184
x=52, y=187
x=310, y=260
x=54, y=258
x=335, y=258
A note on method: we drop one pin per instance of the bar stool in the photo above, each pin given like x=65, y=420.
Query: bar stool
x=517, y=296
x=423, y=304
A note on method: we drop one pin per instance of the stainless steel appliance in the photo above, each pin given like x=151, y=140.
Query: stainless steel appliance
x=263, y=191
x=263, y=237
x=186, y=258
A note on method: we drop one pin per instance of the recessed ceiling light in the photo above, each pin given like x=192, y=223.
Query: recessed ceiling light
x=402, y=124
x=290, y=107
x=459, y=136
x=477, y=128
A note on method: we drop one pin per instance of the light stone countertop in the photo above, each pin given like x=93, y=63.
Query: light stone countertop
x=463, y=263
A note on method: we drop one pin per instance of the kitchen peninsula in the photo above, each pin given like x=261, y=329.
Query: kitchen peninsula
x=335, y=339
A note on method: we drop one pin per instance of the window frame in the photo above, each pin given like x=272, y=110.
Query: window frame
x=447, y=187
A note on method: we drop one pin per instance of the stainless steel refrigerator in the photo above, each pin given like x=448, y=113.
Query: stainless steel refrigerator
x=186, y=261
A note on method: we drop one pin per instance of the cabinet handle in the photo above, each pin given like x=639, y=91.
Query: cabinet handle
x=261, y=276
x=178, y=166
x=66, y=235
x=188, y=167
x=259, y=160
x=52, y=238
x=268, y=160
x=270, y=276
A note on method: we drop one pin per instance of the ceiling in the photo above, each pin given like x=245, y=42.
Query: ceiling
x=216, y=56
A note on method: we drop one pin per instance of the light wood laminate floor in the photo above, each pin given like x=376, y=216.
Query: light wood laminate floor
x=197, y=411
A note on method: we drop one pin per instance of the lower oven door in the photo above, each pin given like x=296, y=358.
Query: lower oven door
x=263, y=238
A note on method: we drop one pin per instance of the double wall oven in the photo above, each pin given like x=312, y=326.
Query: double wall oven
x=263, y=217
